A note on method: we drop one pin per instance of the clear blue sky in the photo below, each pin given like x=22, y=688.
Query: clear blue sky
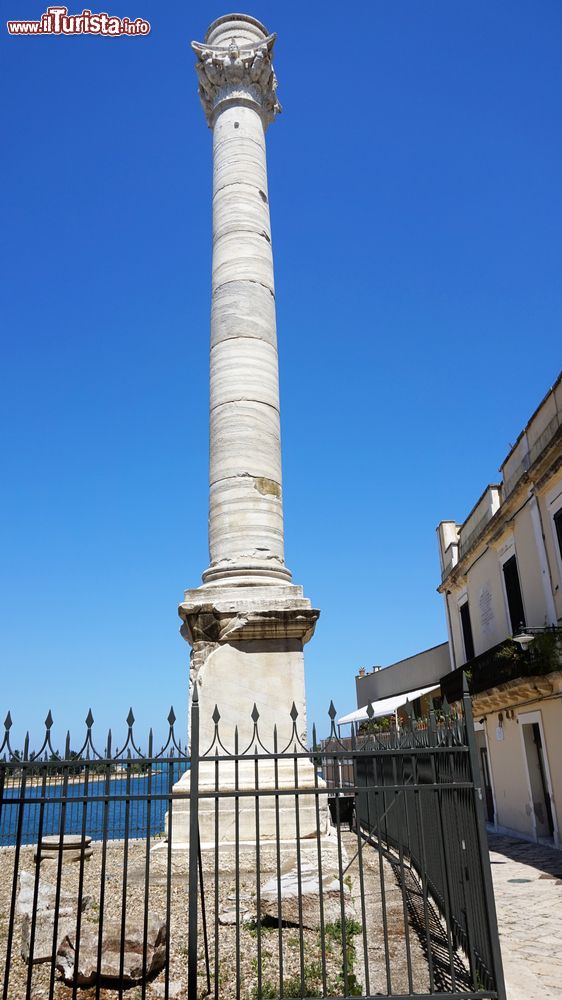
x=415, y=194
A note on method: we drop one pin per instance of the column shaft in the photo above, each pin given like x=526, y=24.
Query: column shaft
x=245, y=503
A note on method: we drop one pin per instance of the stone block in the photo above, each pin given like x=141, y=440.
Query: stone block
x=307, y=889
x=43, y=949
x=72, y=847
x=46, y=897
x=88, y=972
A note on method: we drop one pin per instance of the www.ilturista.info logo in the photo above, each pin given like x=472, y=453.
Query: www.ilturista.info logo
x=57, y=21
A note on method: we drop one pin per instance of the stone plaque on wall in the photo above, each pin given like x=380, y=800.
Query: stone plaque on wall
x=487, y=617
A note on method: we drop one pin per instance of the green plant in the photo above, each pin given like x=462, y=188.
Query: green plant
x=334, y=929
x=333, y=932
x=293, y=986
x=545, y=653
x=382, y=725
x=353, y=987
x=269, y=991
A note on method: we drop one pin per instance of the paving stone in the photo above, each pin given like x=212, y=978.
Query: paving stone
x=529, y=917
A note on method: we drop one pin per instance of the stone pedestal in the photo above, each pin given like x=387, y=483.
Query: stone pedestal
x=248, y=665
x=247, y=648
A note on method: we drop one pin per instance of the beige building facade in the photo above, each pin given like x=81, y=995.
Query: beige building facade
x=501, y=580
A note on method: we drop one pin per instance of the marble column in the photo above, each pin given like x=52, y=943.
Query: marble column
x=238, y=93
x=247, y=623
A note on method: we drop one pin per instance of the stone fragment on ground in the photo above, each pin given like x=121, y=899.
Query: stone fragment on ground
x=71, y=846
x=88, y=971
x=46, y=897
x=43, y=949
x=308, y=915
x=43, y=937
x=246, y=913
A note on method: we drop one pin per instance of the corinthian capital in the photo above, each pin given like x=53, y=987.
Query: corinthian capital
x=237, y=73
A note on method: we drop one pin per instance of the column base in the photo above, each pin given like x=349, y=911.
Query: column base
x=240, y=819
x=248, y=652
x=247, y=663
x=235, y=827
x=248, y=574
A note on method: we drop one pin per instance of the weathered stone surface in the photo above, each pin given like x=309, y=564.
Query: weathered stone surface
x=310, y=895
x=46, y=897
x=73, y=847
x=246, y=913
x=43, y=950
x=174, y=991
x=88, y=972
x=247, y=623
x=237, y=87
x=45, y=916
x=237, y=818
x=235, y=61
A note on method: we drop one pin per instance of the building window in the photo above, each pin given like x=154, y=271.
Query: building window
x=513, y=594
x=467, y=631
x=558, y=529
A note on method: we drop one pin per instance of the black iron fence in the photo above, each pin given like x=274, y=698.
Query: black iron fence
x=416, y=794
x=251, y=869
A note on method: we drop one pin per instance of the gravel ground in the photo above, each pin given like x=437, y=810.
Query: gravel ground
x=369, y=962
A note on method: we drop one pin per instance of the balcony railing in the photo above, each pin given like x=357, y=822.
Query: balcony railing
x=507, y=661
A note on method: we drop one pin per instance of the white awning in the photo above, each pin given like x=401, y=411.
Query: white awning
x=387, y=706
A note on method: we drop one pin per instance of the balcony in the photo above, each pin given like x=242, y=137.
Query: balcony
x=507, y=662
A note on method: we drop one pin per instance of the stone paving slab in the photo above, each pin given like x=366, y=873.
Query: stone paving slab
x=529, y=916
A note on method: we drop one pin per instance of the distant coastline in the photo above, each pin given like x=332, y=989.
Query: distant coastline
x=76, y=779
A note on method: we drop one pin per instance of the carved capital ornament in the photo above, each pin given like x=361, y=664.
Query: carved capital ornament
x=237, y=74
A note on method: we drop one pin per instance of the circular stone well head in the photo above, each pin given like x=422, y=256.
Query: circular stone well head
x=241, y=28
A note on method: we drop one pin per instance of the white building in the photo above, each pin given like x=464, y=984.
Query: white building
x=501, y=576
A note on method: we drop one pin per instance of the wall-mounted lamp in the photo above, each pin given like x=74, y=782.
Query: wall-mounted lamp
x=524, y=640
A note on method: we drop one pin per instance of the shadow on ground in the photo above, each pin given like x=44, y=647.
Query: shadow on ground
x=547, y=860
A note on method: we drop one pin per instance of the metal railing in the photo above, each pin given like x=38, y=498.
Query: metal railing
x=507, y=661
x=239, y=872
